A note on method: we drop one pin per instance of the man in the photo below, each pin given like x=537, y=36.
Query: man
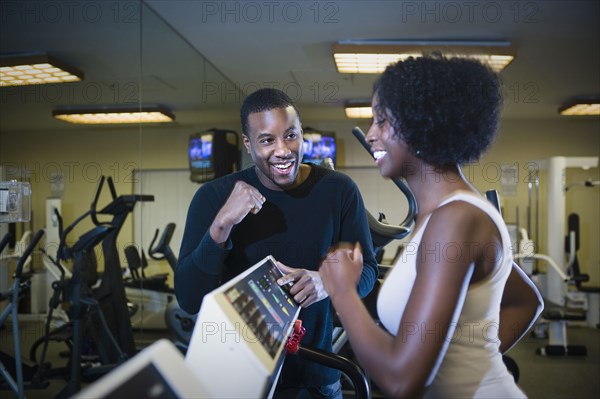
x=278, y=207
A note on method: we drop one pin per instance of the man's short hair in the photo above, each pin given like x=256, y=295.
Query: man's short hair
x=264, y=100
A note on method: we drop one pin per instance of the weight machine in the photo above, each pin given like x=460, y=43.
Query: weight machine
x=563, y=271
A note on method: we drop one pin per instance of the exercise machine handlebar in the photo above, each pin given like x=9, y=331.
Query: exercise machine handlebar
x=34, y=241
x=5, y=240
x=549, y=260
x=350, y=369
x=163, y=250
x=93, y=207
x=63, y=251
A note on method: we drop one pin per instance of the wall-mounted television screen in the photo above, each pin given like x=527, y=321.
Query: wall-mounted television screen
x=213, y=153
x=318, y=146
x=201, y=151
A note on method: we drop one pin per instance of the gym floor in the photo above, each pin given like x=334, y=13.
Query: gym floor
x=540, y=377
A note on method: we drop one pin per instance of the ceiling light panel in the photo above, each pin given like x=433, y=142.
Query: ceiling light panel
x=374, y=57
x=581, y=105
x=114, y=116
x=35, y=70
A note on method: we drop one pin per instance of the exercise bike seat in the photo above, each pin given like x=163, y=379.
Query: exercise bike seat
x=136, y=264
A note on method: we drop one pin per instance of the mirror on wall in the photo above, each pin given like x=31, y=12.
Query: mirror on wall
x=175, y=76
x=126, y=56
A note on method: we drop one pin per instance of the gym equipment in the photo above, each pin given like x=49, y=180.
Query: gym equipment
x=77, y=291
x=241, y=334
x=558, y=317
x=111, y=293
x=100, y=311
x=509, y=362
x=148, y=294
x=15, y=206
x=136, y=265
x=19, y=287
x=381, y=232
x=556, y=166
x=157, y=306
x=592, y=293
x=53, y=229
x=563, y=305
x=163, y=250
x=179, y=322
x=18, y=248
x=155, y=300
x=158, y=371
x=15, y=201
x=159, y=252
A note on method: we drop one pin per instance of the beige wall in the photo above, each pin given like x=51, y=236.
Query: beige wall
x=82, y=154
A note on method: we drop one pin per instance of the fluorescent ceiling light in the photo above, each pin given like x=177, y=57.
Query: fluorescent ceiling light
x=357, y=110
x=114, y=115
x=35, y=69
x=581, y=106
x=373, y=56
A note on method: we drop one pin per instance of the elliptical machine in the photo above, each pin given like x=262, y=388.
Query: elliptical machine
x=93, y=308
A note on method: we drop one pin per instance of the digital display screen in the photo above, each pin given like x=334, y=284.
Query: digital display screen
x=266, y=307
x=147, y=383
x=200, y=152
x=317, y=147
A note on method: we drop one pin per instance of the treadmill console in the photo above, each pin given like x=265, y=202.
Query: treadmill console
x=241, y=332
x=264, y=306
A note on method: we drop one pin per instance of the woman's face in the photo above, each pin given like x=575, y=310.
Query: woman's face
x=391, y=153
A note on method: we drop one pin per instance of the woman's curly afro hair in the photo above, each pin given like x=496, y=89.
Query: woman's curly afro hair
x=446, y=110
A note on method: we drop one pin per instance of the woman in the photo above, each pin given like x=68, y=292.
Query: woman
x=453, y=303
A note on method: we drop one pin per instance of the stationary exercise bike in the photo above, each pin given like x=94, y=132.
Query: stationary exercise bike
x=150, y=294
x=179, y=322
